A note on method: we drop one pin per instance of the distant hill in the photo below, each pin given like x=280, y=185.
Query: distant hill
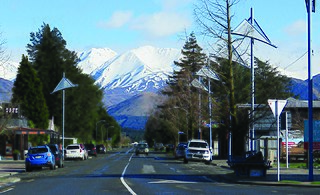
x=300, y=88
x=5, y=90
x=133, y=113
x=132, y=80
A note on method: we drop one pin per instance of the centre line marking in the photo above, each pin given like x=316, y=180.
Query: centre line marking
x=122, y=179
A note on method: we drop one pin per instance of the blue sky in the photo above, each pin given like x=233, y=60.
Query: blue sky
x=125, y=24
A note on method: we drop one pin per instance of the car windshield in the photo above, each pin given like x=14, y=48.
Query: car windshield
x=89, y=145
x=198, y=144
x=182, y=147
x=53, y=148
x=142, y=146
x=37, y=150
x=72, y=147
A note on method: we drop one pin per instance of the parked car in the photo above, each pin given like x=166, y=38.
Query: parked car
x=142, y=148
x=39, y=156
x=169, y=147
x=86, y=154
x=101, y=149
x=198, y=150
x=74, y=151
x=180, y=150
x=57, y=154
x=92, y=151
x=158, y=146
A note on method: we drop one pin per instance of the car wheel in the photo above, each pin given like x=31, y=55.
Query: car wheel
x=52, y=166
x=185, y=160
x=60, y=163
x=28, y=169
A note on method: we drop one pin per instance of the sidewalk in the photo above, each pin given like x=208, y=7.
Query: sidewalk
x=8, y=171
x=288, y=176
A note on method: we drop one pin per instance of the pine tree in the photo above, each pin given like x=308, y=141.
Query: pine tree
x=182, y=95
x=27, y=92
x=51, y=59
x=269, y=81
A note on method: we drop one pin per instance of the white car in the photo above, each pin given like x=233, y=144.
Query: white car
x=198, y=150
x=75, y=151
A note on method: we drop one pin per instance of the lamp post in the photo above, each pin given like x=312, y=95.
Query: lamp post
x=62, y=85
x=251, y=29
x=108, y=132
x=206, y=72
x=97, y=126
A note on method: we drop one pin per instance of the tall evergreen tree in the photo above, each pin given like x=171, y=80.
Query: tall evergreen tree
x=269, y=84
x=181, y=95
x=270, y=81
x=27, y=92
x=51, y=59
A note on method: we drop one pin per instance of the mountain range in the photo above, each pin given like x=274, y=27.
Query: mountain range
x=131, y=81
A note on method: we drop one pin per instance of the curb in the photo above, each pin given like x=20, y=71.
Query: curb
x=8, y=181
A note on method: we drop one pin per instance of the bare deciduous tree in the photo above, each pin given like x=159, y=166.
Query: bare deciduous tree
x=3, y=63
x=214, y=18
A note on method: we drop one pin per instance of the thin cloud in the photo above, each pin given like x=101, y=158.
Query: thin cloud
x=297, y=28
x=117, y=20
x=161, y=24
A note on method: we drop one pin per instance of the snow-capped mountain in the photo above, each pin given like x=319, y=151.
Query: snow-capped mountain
x=145, y=69
x=94, y=58
x=128, y=69
x=9, y=70
x=125, y=76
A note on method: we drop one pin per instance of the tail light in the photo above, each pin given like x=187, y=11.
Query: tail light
x=80, y=150
x=94, y=148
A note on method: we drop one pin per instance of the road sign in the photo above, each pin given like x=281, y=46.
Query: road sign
x=277, y=106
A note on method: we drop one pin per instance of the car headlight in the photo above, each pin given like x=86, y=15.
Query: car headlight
x=206, y=152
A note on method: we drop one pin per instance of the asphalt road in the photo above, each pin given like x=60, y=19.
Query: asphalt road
x=124, y=173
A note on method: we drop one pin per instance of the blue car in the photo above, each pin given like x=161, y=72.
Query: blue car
x=40, y=156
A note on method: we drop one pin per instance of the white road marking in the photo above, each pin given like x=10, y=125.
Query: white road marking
x=7, y=190
x=122, y=179
x=148, y=169
x=171, y=181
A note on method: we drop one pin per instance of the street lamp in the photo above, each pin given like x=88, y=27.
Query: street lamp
x=251, y=29
x=206, y=72
x=97, y=126
x=108, y=132
x=62, y=85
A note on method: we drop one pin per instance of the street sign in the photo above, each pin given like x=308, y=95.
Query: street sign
x=277, y=106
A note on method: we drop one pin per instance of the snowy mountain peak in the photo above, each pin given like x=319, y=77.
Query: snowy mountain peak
x=135, y=69
x=157, y=59
x=9, y=70
x=94, y=58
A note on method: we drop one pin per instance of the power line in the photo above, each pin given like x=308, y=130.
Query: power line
x=295, y=60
